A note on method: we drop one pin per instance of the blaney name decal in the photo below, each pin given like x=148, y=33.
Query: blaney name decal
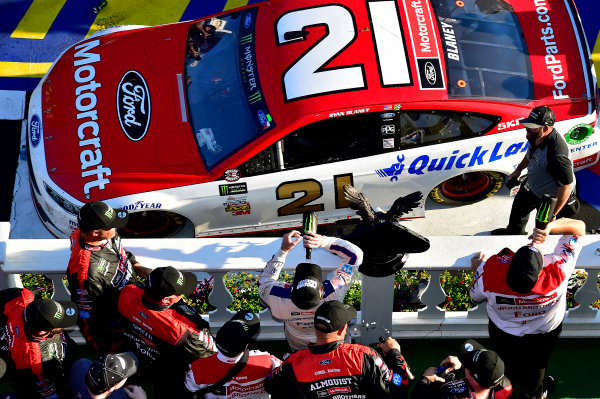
x=424, y=163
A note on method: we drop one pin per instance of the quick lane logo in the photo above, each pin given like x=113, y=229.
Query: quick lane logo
x=85, y=103
x=133, y=105
x=424, y=163
x=232, y=189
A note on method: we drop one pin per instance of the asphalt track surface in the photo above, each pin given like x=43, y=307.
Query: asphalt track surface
x=34, y=32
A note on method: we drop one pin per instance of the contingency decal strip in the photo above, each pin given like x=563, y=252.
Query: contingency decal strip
x=181, y=97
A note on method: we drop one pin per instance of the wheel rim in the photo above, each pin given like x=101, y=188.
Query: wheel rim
x=466, y=186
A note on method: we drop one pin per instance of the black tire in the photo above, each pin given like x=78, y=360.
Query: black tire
x=467, y=188
x=152, y=224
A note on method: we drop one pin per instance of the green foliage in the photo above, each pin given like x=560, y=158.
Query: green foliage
x=407, y=284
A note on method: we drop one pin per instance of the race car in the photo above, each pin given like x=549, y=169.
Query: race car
x=242, y=121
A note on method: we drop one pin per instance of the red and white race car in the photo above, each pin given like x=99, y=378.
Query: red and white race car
x=242, y=121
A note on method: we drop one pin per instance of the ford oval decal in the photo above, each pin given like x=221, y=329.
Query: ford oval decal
x=430, y=73
x=133, y=105
x=325, y=362
x=35, y=131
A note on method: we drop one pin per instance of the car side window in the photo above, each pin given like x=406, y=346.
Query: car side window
x=426, y=127
x=366, y=134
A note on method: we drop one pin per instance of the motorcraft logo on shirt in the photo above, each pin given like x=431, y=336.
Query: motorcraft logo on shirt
x=133, y=105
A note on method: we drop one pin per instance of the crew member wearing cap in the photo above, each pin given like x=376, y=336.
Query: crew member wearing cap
x=106, y=377
x=296, y=303
x=525, y=294
x=37, y=350
x=331, y=366
x=484, y=376
x=98, y=269
x=549, y=171
x=165, y=332
x=234, y=370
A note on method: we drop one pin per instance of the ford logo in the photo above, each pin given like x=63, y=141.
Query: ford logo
x=388, y=115
x=325, y=362
x=430, y=73
x=34, y=130
x=247, y=20
x=133, y=105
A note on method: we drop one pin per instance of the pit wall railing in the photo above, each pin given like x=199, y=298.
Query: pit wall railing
x=218, y=256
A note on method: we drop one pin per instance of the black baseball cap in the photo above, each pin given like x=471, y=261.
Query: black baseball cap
x=539, y=116
x=167, y=281
x=48, y=314
x=109, y=370
x=333, y=315
x=306, y=287
x=97, y=215
x=235, y=335
x=486, y=366
x=524, y=269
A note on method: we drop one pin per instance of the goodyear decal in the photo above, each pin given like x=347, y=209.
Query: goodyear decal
x=457, y=160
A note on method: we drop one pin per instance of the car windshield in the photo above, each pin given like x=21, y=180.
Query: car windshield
x=486, y=54
x=225, y=102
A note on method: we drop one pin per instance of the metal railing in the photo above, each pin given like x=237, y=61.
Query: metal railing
x=218, y=256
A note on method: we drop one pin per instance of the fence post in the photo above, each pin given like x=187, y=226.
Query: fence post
x=376, y=305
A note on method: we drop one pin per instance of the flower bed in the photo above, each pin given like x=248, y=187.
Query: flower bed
x=407, y=288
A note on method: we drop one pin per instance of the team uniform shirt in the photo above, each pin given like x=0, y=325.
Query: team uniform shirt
x=541, y=310
x=160, y=334
x=248, y=383
x=298, y=323
x=35, y=367
x=550, y=165
x=96, y=274
x=341, y=371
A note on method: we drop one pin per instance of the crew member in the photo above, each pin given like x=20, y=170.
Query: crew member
x=296, y=303
x=98, y=268
x=233, y=371
x=331, y=366
x=37, y=351
x=525, y=294
x=549, y=171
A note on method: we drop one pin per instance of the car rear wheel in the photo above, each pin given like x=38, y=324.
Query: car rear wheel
x=467, y=188
x=152, y=224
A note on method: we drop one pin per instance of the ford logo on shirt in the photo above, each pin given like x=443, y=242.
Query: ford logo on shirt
x=34, y=130
x=133, y=105
x=325, y=362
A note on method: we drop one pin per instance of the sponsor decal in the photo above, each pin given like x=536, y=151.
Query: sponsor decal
x=247, y=20
x=349, y=112
x=140, y=205
x=333, y=391
x=264, y=119
x=397, y=107
x=206, y=137
x=388, y=143
x=508, y=125
x=585, y=161
x=553, y=58
x=387, y=107
x=388, y=129
x=578, y=133
x=232, y=175
x=584, y=147
x=325, y=362
x=457, y=160
x=430, y=73
x=88, y=130
x=388, y=115
x=330, y=382
x=397, y=379
x=133, y=105
x=35, y=130
x=232, y=189
x=450, y=41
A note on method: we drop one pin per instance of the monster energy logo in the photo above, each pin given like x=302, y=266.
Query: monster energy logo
x=543, y=212
x=309, y=222
x=229, y=189
x=256, y=97
x=246, y=39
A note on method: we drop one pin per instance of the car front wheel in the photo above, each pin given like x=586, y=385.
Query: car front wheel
x=467, y=188
x=152, y=224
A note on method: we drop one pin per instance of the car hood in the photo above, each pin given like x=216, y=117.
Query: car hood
x=112, y=117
